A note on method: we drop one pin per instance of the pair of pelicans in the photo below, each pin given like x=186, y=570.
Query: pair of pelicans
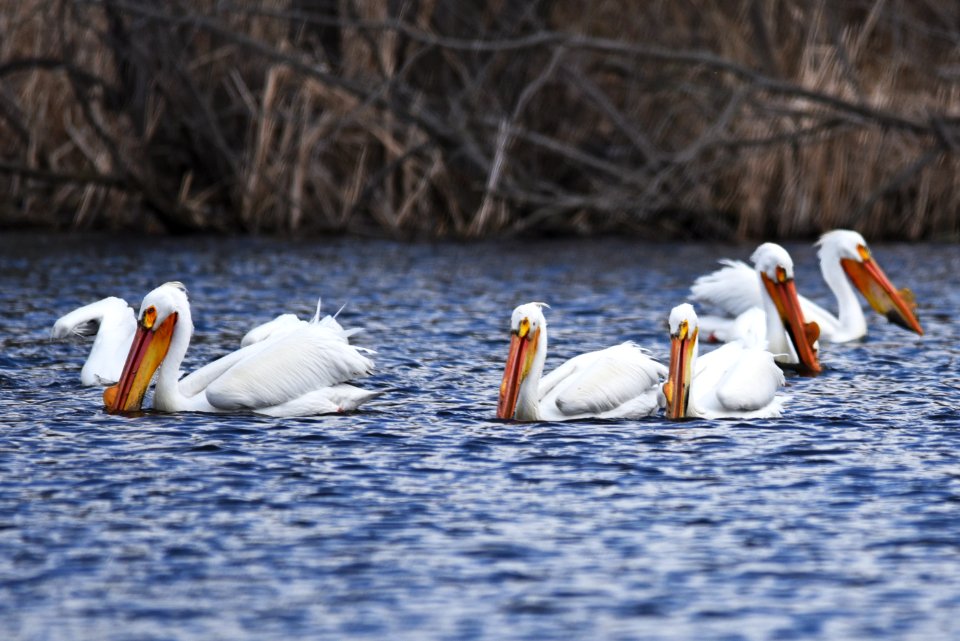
x=290, y=367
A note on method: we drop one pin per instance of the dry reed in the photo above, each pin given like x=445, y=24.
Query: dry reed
x=738, y=119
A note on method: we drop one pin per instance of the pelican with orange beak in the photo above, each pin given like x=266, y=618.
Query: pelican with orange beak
x=736, y=380
x=113, y=323
x=779, y=319
x=298, y=372
x=845, y=262
x=789, y=336
x=618, y=382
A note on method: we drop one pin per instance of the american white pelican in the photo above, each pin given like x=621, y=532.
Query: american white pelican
x=114, y=324
x=618, y=382
x=296, y=373
x=736, y=380
x=845, y=262
x=779, y=319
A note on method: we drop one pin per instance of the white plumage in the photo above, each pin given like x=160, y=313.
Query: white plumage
x=112, y=323
x=617, y=382
x=845, y=262
x=767, y=306
x=737, y=380
x=285, y=323
x=302, y=370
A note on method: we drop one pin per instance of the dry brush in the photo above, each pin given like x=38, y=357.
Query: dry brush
x=464, y=118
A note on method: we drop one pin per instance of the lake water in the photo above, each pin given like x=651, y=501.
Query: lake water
x=421, y=517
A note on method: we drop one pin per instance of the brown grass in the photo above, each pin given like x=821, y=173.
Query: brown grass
x=741, y=118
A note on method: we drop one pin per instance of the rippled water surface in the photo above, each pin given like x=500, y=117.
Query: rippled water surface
x=420, y=517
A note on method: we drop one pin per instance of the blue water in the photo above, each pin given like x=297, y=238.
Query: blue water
x=420, y=517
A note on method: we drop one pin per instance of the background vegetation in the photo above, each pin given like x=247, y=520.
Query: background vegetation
x=466, y=118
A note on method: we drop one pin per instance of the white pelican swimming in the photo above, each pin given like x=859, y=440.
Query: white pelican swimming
x=114, y=324
x=300, y=372
x=618, y=382
x=736, y=380
x=779, y=319
x=845, y=262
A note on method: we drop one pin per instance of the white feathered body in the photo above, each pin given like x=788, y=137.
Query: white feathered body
x=113, y=323
x=736, y=290
x=616, y=382
x=736, y=381
x=299, y=372
x=295, y=368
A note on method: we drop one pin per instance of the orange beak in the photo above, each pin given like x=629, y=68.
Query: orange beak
x=677, y=388
x=519, y=359
x=897, y=306
x=802, y=335
x=149, y=348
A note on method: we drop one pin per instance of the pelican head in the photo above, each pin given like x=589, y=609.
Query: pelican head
x=775, y=267
x=160, y=312
x=526, y=326
x=683, y=351
x=849, y=249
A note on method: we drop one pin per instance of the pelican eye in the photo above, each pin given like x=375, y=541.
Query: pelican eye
x=781, y=274
x=863, y=252
x=149, y=317
x=524, y=328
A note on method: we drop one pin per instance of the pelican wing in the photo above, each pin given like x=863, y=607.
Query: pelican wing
x=199, y=380
x=296, y=363
x=114, y=323
x=279, y=325
x=330, y=322
x=734, y=288
x=285, y=323
x=86, y=320
x=736, y=380
x=605, y=381
x=751, y=383
x=259, y=339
